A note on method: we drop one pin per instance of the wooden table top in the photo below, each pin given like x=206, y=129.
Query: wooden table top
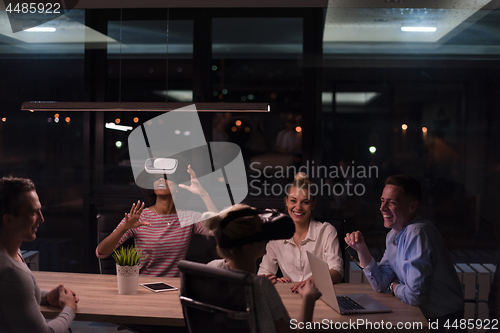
x=401, y=312
x=100, y=302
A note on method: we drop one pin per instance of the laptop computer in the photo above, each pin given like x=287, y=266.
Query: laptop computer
x=345, y=304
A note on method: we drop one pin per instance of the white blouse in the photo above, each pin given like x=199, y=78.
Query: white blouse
x=321, y=240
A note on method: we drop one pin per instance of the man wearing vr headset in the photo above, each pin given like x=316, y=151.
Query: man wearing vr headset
x=157, y=229
x=241, y=234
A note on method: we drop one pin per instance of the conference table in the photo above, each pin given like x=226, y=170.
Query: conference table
x=100, y=302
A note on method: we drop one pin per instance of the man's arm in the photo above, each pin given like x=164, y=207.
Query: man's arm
x=21, y=309
x=414, y=286
x=379, y=276
x=357, y=242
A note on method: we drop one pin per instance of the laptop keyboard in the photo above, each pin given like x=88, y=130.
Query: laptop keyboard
x=346, y=303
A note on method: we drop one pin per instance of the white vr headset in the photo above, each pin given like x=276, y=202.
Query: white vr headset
x=167, y=144
x=161, y=166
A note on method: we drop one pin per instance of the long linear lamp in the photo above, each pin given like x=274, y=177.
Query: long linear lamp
x=142, y=106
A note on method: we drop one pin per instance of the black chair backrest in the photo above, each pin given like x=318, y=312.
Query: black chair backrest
x=340, y=225
x=216, y=300
x=202, y=249
x=106, y=223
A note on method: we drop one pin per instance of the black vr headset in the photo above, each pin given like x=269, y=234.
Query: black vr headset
x=276, y=226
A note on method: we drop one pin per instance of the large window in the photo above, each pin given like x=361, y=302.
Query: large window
x=47, y=146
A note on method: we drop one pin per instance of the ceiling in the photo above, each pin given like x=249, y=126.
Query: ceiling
x=468, y=27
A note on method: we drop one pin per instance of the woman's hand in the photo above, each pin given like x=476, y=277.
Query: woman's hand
x=309, y=290
x=284, y=279
x=295, y=288
x=195, y=186
x=132, y=218
x=271, y=277
x=66, y=297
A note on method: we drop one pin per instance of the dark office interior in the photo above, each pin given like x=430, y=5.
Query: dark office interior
x=352, y=94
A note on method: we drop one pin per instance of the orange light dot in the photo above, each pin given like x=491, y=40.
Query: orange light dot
x=32, y=110
x=56, y=115
x=424, y=129
x=247, y=129
x=4, y=119
x=234, y=129
x=298, y=129
x=404, y=127
x=238, y=122
x=67, y=119
x=136, y=120
x=117, y=120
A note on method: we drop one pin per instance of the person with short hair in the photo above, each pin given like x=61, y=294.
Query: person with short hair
x=20, y=296
x=416, y=265
x=235, y=230
x=319, y=238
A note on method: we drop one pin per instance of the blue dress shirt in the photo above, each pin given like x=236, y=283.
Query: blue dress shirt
x=418, y=257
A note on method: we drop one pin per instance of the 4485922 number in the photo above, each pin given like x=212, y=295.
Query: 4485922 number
x=33, y=7
x=472, y=324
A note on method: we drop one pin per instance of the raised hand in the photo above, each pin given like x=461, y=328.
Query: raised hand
x=132, y=218
x=195, y=186
x=355, y=240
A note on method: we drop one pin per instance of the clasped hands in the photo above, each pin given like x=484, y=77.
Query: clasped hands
x=61, y=296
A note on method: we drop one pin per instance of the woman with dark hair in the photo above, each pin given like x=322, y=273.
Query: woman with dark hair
x=160, y=231
x=235, y=230
x=319, y=238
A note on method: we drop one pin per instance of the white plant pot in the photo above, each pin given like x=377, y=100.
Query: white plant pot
x=128, y=279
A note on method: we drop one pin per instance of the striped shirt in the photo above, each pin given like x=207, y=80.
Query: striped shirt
x=165, y=241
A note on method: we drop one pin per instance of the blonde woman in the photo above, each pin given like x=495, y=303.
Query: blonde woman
x=319, y=238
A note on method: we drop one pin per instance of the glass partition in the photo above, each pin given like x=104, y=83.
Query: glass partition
x=47, y=147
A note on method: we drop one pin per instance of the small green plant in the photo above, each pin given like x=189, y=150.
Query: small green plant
x=127, y=256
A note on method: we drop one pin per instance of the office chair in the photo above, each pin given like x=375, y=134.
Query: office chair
x=341, y=225
x=216, y=300
x=106, y=223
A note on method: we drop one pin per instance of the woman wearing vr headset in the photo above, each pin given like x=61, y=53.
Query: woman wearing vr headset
x=241, y=238
x=319, y=238
x=160, y=231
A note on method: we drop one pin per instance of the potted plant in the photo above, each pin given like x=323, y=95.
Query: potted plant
x=127, y=269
